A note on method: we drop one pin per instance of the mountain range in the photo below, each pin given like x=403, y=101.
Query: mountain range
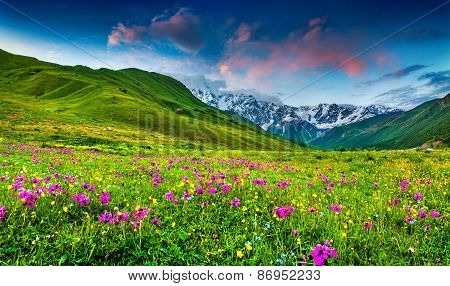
x=301, y=124
x=333, y=126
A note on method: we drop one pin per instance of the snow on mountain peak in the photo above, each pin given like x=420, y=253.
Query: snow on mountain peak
x=302, y=123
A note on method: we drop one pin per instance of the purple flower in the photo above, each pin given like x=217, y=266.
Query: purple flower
x=367, y=225
x=28, y=198
x=283, y=184
x=117, y=218
x=295, y=232
x=156, y=221
x=422, y=214
x=284, y=211
x=235, y=202
x=87, y=186
x=336, y=208
x=435, y=214
x=323, y=252
x=226, y=189
x=404, y=185
x=199, y=191
x=395, y=201
x=418, y=196
x=260, y=182
x=105, y=198
x=212, y=190
x=55, y=188
x=2, y=213
x=140, y=213
x=376, y=185
x=81, y=199
x=169, y=196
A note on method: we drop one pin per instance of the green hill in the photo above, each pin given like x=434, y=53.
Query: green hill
x=429, y=121
x=67, y=105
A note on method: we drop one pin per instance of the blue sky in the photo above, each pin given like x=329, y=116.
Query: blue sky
x=281, y=48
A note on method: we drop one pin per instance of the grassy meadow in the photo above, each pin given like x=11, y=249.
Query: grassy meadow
x=69, y=206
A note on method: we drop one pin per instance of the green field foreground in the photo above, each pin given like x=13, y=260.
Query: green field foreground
x=61, y=206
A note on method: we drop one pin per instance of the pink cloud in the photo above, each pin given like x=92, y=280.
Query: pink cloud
x=312, y=34
x=181, y=29
x=316, y=21
x=253, y=61
x=244, y=32
x=385, y=59
x=123, y=34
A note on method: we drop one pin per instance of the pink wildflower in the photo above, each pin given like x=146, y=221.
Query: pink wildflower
x=336, y=208
x=284, y=211
x=105, y=198
x=235, y=202
x=418, y=196
x=81, y=199
x=2, y=213
x=323, y=252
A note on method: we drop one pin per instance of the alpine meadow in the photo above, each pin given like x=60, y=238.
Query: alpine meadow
x=195, y=135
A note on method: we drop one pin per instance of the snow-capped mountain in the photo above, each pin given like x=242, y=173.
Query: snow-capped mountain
x=301, y=124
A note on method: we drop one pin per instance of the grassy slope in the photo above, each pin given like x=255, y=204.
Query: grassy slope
x=46, y=102
x=429, y=121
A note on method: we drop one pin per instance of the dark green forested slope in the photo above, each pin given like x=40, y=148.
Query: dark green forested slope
x=429, y=121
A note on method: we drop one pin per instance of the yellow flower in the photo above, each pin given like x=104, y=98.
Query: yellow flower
x=173, y=224
x=314, y=196
x=244, y=208
x=9, y=187
x=299, y=240
x=344, y=235
x=248, y=247
x=52, y=203
x=239, y=254
x=65, y=209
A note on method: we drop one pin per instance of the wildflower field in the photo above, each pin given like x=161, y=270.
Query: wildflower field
x=62, y=206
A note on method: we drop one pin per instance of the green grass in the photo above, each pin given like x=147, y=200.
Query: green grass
x=213, y=234
x=49, y=103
